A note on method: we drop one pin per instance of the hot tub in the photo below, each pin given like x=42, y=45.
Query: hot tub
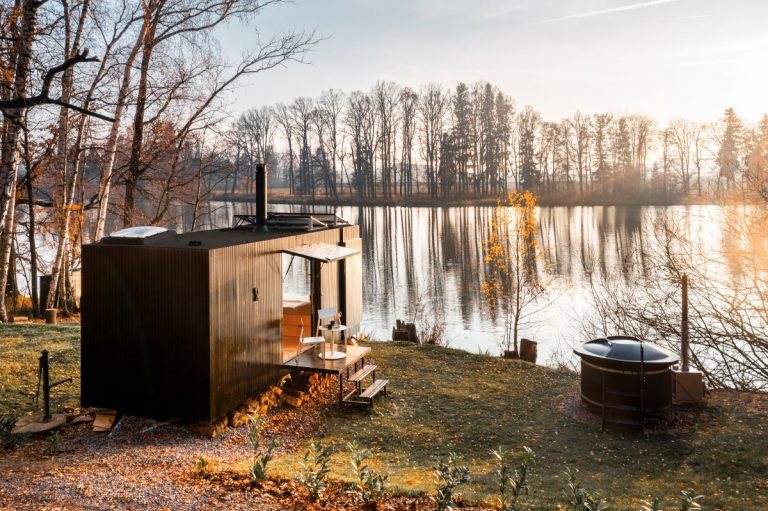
x=632, y=377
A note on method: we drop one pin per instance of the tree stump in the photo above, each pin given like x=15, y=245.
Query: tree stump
x=403, y=331
x=528, y=349
x=50, y=316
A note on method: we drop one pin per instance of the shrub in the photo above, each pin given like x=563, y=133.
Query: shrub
x=689, y=501
x=369, y=485
x=579, y=498
x=433, y=332
x=655, y=505
x=316, y=465
x=202, y=466
x=512, y=482
x=259, y=461
x=449, y=477
x=7, y=438
x=54, y=442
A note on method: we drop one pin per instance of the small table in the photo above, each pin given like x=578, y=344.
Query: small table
x=332, y=354
x=308, y=361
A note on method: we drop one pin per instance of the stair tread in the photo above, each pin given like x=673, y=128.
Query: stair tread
x=374, y=389
x=362, y=373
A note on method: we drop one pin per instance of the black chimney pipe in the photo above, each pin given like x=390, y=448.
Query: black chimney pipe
x=261, y=195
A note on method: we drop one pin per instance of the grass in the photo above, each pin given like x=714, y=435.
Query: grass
x=20, y=347
x=444, y=400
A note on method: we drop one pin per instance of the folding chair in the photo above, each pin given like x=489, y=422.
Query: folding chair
x=322, y=315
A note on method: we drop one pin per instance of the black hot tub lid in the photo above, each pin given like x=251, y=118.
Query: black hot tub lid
x=626, y=349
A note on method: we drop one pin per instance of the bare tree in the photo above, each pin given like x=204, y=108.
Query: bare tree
x=181, y=21
x=408, y=102
x=432, y=112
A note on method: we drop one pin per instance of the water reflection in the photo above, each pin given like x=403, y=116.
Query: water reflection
x=431, y=259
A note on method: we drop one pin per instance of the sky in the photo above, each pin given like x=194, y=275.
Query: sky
x=664, y=58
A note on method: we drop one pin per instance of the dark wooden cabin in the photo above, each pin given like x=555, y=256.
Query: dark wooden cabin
x=190, y=325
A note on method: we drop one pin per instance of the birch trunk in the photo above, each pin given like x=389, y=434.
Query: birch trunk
x=111, y=148
x=5, y=249
x=68, y=188
x=9, y=158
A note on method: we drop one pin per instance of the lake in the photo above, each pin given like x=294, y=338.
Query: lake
x=429, y=262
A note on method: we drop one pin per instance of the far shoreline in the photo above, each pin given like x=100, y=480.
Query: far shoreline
x=431, y=202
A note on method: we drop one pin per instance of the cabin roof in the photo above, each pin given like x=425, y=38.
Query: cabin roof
x=208, y=240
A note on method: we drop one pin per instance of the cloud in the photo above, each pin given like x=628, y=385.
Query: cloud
x=602, y=12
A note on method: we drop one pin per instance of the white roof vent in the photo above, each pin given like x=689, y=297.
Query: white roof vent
x=140, y=232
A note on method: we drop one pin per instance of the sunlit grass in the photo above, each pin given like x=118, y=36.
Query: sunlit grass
x=20, y=347
x=445, y=400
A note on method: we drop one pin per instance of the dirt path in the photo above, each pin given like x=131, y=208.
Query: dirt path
x=141, y=465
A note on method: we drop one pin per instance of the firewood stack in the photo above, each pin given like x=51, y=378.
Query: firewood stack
x=292, y=389
x=304, y=387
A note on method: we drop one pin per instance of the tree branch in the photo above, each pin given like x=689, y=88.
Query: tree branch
x=43, y=97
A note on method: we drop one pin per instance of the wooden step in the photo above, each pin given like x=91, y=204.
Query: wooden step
x=362, y=373
x=374, y=389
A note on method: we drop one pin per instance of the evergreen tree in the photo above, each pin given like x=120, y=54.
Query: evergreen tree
x=528, y=124
x=601, y=137
x=728, y=155
x=462, y=134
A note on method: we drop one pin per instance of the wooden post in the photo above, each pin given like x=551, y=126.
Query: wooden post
x=317, y=291
x=684, y=345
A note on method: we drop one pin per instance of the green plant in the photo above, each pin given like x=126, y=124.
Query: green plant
x=655, y=505
x=54, y=442
x=448, y=477
x=316, y=467
x=689, y=501
x=579, y=498
x=259, y=460
x=7, y=438
x=512, y=482
x=203, y=466
x=369, y=485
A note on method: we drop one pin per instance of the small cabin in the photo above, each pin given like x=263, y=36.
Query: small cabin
x=190, y=325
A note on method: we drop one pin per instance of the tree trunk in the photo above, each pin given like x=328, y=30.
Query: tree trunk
x=67, y=189
x=111, y=149
x=9, y=157
x=134, y=163
x=32, y=245
x=6, y=243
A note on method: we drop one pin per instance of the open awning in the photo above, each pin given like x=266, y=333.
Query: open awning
x=323, y=252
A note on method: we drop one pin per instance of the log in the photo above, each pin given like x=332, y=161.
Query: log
x=292, y=401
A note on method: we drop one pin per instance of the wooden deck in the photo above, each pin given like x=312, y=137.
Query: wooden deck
x=309, y=361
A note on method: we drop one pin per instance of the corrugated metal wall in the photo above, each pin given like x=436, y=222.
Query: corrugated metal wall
x=144, y=330
x=246, y=343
